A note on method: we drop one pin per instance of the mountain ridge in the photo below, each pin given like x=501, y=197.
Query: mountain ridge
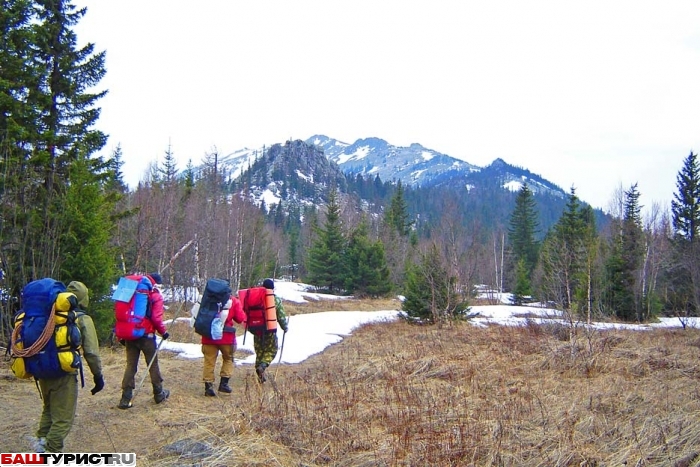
x=290, y=181
x=414, y=165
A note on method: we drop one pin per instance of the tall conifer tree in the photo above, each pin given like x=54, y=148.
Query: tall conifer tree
x=48, y=110
x=397, y=214
x=686, y=201
x=523, y=228
x=685, y=207
x=367, y=270
x=623, y=294
x=325, y=264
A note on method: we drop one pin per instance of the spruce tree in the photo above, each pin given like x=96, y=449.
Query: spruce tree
x=68, y=75
x=623, y=295
x=367, y=270
x=523, y=288
x=570, y=229
x=397, y=215
x=523, y=246
x=168, y=172
x=189, y=178
x=325, y=263
x=18, y=75
x=49, y=137
x=566, y=257
x=85, y=242
x=430, y=291
x=685, y=205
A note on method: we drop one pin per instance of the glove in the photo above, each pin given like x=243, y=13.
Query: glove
x=99, y=384
x=165, y=336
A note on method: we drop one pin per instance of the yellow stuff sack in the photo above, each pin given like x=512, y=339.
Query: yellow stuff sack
x=67, y=336
x=68, y=356
x=17, y=366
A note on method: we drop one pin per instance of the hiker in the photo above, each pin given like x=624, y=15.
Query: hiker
x=265, y=342
x=147, y=346
x=226, y=345
x=60, y=395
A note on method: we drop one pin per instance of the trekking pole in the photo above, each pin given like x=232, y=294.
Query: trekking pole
x=279, y=362
x=143, y=378
x=284, y=334
x=148, y=368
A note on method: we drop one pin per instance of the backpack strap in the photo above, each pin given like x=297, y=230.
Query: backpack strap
x=82, y=376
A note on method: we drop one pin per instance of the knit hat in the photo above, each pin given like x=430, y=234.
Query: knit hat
x=81, y=293
x=156, y=277
x=269, y=284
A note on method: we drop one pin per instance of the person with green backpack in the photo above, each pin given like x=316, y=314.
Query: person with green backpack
x=265, y=343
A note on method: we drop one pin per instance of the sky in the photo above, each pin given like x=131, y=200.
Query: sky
x=597, y=95
x=311, y=333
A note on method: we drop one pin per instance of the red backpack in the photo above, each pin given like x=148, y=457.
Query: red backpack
x=259, y=307
x=132, y=306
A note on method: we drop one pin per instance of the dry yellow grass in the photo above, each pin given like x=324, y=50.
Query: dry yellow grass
x=395, y=394
x=346, y=304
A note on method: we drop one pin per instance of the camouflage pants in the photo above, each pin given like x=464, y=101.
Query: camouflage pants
x=265, y=346
x=60, y=397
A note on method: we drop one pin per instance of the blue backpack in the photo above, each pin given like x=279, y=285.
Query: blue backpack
x=36, y=353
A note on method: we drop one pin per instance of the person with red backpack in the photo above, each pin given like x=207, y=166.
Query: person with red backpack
x=146, y=345
x=226, y=345
x=265, y=342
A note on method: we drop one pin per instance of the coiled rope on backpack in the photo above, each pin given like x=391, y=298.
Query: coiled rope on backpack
x=40, y=342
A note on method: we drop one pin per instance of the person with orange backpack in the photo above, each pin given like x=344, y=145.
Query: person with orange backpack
x=137, y=329
x=265, y=340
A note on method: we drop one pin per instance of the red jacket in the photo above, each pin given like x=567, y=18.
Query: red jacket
x=156, y=321
x=236, y=314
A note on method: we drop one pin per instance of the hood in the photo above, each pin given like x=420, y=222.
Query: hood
x=81, y=292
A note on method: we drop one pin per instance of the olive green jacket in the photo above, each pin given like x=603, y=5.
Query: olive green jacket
x=91, y=346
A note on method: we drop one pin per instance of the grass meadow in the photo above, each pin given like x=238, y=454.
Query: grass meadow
x=395, y=394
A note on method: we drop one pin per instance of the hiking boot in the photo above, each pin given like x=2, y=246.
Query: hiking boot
x=160, y=394
x=260, y=370
x=38, y=445
x=223, y=385
x=209, y=389
x=125, y=401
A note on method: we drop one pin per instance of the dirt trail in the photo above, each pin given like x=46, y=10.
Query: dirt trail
x=100, y=426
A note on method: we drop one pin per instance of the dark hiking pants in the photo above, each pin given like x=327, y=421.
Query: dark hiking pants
x=134, y=348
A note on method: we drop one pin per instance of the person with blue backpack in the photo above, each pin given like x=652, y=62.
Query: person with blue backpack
x=60, y=393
